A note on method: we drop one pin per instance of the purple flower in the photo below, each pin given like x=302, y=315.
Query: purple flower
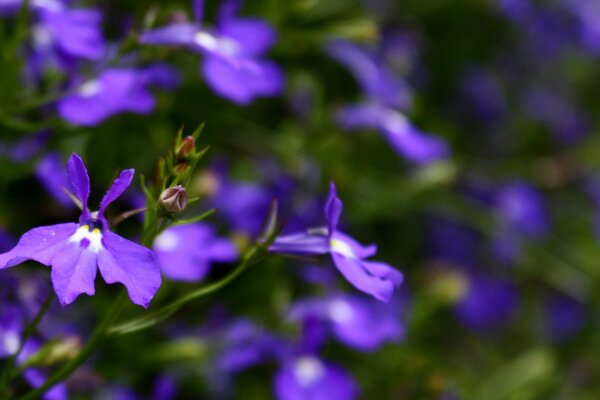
x=233, y=65
x=72, y=32
x=309, y=377
x=364, y=324
x=385, y=96
x=523, y=208
x=244, y=205
x=564, y=317
x=51, y=173
x=114, y=91
x=186, y=252
x=375, y=278
x=60, y=31
x=11, y=325
x=75, y=251
x=488, y=304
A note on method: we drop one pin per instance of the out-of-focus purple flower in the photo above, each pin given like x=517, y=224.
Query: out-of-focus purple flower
x=375, y=278
x=484, y=95
x=245, y=344
x=186, y=252
x=60, y=31
x=52, y=175
x=488, y=304
x=6, y=240
x=452, y=243
x=73, y=32
x=243, y=204
x=385, y=96
x=233, y=65
x=564, y=317
x=364, y=324
x=75, y=251
x=113, y=91
x=309, y=377
x=588, y=13
x=523, y=208
x=11, y=325
x=556, y=113
x=25, y=148
x=37, y=377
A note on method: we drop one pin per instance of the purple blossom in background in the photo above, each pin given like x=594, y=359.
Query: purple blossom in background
x=488, y=304
x=564, y=317
x=522, y=212
x=36, y=377
x=52, y=175
x=554, y=111
x=358, y=322
x=114, y=91
x=524, y=208
x=186, y=252
x=11, y=325
x=309, y=377
x=452, y=243
x=385, y=96
x=233, y=65
x=26, y=147
x=484, y=95
x=245, y=344
x=243, y=205
x=372, y=277
x=60, y=31
x=75, y=251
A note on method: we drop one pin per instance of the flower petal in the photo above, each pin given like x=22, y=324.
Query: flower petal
x=73, y=272
x=333, y=208
x=119, y=186
x=80, y=180
x=179, y=34
x=301, y=243
x=39, y=244
x=242, y=79
x=361, y=274
x=253, y=36
x=134, y=266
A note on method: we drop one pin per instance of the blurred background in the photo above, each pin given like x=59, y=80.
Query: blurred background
x=463, y=140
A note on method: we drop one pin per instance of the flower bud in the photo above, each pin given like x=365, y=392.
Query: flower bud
x=173, y=200
x=186, y=148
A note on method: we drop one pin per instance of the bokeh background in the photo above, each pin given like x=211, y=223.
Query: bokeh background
x=490, y=209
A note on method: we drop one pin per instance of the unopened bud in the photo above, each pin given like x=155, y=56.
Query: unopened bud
x=173, y=200
x=181, y=168
x=186, y=148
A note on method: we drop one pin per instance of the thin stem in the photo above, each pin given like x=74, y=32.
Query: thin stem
x=100, y=333
x=166, y=311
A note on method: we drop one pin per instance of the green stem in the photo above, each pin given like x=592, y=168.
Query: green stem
x=166, y=311
x=100, y=333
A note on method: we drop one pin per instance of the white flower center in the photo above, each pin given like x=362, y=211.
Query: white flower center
x=90, y=88
x=41, y=36
x=340, y=311
x=308, y=370
x=166, y=241
x=11, y=341
x=217, y=44
x=94, y=238
x=342, y=248
x=396, y=122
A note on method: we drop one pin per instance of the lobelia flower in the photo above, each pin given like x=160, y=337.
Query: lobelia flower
x=385, y=95
x=522, y=212
x=564, y=317
x=233, y=65
x=114, y=91
x=364, y=324
x=375, y=278
x=186, y=252
x=302, y=374
x=75, y=251
x=488, y=304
